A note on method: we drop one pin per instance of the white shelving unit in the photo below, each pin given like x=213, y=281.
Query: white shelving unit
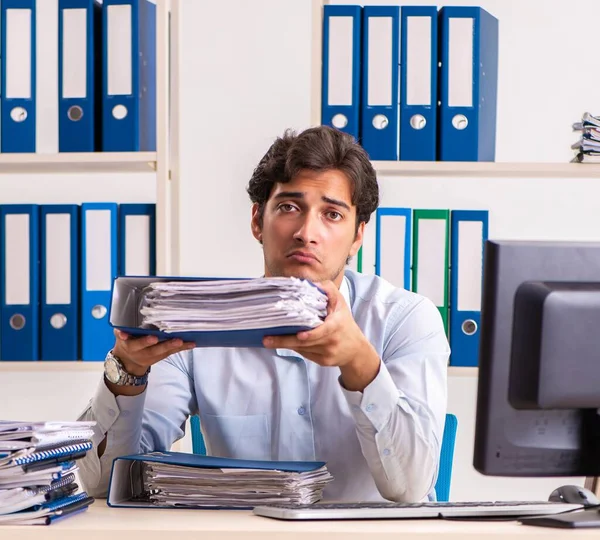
x=482, y=169
x=93, y=162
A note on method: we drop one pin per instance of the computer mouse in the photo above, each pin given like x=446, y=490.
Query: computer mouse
x=574, y=495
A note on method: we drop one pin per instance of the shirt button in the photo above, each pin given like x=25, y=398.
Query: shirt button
x=301, y=411
x=124, y=414
x=111, y=412
x=370, y=407
x=386, y=452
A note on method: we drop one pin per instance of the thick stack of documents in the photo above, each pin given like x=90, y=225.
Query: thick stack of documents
x=217, y=313
x=588, y=146
x=37, y=470
x=173, y=479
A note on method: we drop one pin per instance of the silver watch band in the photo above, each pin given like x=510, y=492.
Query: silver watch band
x=115, y=372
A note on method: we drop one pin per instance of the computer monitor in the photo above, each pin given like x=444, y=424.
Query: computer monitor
x=539, y=360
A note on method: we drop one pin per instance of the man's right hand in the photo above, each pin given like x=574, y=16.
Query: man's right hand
x=139, y=353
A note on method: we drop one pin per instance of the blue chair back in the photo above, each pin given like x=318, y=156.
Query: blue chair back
x=442, y=486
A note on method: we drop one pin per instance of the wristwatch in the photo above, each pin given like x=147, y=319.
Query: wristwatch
x=115, y=372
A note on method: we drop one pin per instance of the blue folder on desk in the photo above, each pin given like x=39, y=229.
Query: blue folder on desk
x=124, y=473
x=125, y=315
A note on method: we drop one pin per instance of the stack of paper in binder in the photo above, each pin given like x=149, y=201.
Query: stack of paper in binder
x=588, y=146
x=233, y=304
x=217, y=313
x=37, y=471
x=174, y=479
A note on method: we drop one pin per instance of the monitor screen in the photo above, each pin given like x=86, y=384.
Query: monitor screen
x=515, y=434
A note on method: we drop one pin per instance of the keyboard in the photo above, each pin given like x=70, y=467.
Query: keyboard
x=385, y=510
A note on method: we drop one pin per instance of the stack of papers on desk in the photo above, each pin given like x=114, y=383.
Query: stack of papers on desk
x=588, y=146
x=37, y=470
x=184, y=306
x=173, y=479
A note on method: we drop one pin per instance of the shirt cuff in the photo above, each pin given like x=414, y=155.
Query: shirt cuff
x=374, y=405
x=107, y=408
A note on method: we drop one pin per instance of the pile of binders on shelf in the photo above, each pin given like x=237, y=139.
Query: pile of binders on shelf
x=588, y=145
x=38, y=462
x=57, y=263
x=381, y=68
x=78, y=76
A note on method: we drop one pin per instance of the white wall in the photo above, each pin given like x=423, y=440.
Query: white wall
x=247, y=76
x=544, y=86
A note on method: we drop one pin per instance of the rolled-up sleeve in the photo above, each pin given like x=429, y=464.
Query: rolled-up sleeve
x=400, y=416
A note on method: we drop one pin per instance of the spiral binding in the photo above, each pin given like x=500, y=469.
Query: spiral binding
x=56, y=452
x=57, y=484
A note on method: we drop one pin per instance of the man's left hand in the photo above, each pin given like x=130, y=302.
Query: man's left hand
x=337, y=342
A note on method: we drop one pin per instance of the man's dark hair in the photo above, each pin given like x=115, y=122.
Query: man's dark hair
x=317, y=149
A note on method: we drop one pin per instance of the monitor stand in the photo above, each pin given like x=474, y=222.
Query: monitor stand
x=589, y=518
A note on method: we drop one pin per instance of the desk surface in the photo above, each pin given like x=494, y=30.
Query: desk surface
x=102, y=522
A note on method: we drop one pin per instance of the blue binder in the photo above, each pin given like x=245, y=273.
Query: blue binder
x=466, y=280
x=78, y=29
x=19, y=282
x=124, y=315
x=418, y=83
x=397, y=264
x=380, y=96
x=129, y=86
x=122, y=474
x=469, y=81
x=59, y=321
x=18, y=74
x=99, y=268
x=341, y=68
x=137, y=239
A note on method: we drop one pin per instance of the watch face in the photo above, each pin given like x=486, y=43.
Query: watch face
x=111, y=370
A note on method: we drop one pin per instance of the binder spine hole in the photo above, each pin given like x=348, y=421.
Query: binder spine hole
x=418, y=121
x=18, y=114
x=339, y=121
x=58, y=321
x=75, y=113
x=460, y=122
x=380, y=121
x=469, y=327
x=119, y=112
x=99, y=311
x=17, y=321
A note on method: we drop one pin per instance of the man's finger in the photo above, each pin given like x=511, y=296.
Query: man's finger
x=318, y=333
x=136, y=345
x=329, y=288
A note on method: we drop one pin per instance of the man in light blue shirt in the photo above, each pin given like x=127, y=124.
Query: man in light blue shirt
x=365, y=391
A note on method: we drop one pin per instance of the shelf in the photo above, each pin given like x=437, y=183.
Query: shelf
x=47, y=365
x=487, y=169
x=67, y=162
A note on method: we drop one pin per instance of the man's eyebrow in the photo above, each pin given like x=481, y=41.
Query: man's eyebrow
x=290, y=195
x=300, y=195
x=336, y=202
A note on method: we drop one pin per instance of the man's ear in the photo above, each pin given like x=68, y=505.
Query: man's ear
x=255, y=224
x=358, y=240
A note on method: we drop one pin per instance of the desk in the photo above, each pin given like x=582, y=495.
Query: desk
x=102, y=522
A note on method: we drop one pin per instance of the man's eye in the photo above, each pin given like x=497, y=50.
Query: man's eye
x=287, y=207
x=335, y=216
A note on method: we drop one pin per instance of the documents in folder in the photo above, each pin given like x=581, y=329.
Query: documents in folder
x=588, y=146
x=37, y=470
x=217, y=313
x=174, y=479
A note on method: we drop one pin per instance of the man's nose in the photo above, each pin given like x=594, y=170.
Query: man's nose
x=308, y=233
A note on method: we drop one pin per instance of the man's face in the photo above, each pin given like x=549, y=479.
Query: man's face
x=309, y=227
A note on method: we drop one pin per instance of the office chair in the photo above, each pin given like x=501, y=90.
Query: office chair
x=442, y=486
